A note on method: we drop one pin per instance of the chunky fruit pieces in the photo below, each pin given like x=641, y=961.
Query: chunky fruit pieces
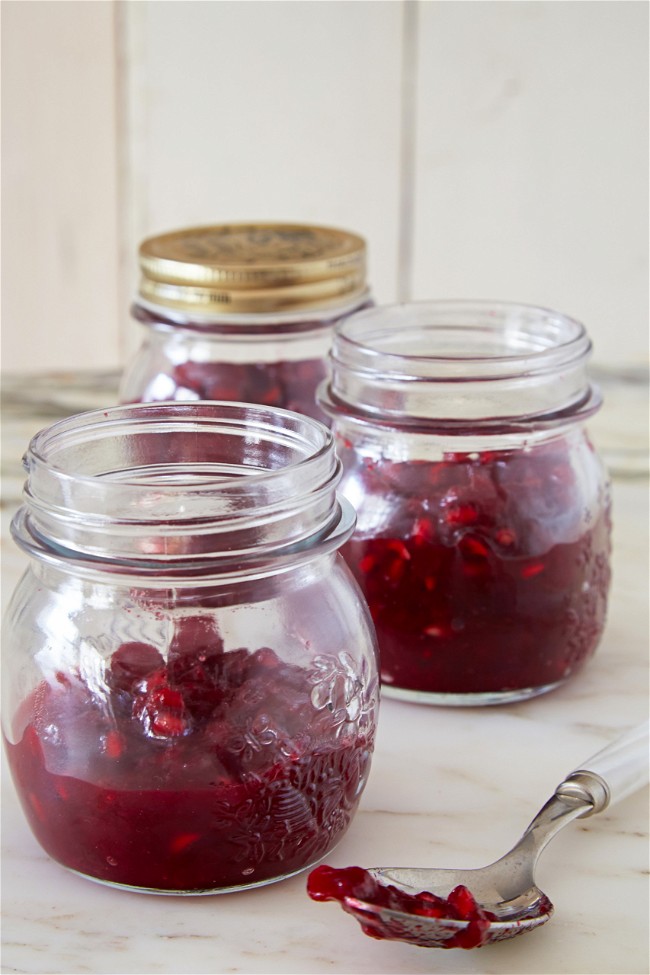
x=328, y=883
x=481, y=572
x=289, y=385
x=208, y=770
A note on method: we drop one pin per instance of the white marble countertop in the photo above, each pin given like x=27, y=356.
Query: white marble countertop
x=448, y=787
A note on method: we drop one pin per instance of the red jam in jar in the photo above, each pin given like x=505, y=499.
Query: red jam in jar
x=186, y=779
x=191, y=679
x=483, y=518
x=243, y=312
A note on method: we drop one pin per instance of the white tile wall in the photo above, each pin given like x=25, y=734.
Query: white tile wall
x=59, y=186
x=485, y=149
x=532, y=165
x=269, y=111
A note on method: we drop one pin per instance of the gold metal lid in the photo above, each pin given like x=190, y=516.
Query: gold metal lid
x=252, y=268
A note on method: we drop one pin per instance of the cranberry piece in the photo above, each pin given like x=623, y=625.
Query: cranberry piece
x=195, y=665
x=131, y=662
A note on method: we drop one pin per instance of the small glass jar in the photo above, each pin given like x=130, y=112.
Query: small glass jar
x=483, y=512
x=190, y=678
x=243, y=312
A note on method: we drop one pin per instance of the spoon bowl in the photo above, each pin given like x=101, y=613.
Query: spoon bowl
x=504, y=900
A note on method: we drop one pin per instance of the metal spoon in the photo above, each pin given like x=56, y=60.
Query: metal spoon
x=507, y=887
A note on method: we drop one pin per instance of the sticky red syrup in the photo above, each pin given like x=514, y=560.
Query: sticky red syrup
x=210, y=770
x=330, y=884
x=484, y=573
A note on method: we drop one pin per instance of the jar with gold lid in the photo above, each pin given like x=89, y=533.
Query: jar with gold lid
x=243, y=312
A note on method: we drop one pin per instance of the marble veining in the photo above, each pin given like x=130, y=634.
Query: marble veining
x=448, y=787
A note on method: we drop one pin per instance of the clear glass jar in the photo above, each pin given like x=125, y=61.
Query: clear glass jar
x=243, y=312
x=190, y=678
x=483, y=512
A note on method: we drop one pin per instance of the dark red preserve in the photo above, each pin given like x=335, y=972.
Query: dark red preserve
x=209, y=771
x=483, y=516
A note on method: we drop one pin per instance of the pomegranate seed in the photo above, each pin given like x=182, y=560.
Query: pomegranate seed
x=367, y=563
x=532, y=570
x=113, y=744
x=395, y=570
x=436, y=631
x=474, y=546
x=463, y=514
x=423, y=532
x=182, y=841
x=399, y=549
x=167, y=725
x=462, y=899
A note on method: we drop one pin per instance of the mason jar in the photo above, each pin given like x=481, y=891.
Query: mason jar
x=190, y=678
x=243, y=312
x=482, y=541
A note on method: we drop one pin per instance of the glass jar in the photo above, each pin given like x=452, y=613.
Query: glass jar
x=243, y=312
x=190, y=684
x=483, y=512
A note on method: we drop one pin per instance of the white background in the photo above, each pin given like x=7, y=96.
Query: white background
x=484, y=149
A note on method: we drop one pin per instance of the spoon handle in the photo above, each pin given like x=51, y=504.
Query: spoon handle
x=622, y=767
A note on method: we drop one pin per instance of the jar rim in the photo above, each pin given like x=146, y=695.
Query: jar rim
x=465, y=316
x=297, y=426
x=457, y=361
x=181, y=484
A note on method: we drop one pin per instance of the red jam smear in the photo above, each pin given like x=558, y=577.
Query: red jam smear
x=483, y=572
x=331, y=884
x=210, y=770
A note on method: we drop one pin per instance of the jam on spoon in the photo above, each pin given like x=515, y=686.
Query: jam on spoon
x=491, y=903
x=359, y=885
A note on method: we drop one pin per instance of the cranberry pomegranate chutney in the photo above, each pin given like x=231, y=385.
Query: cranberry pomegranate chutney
x=191, y=689
x=243, y=312
x=186, y=783
x=350, y=885
x=483, y=515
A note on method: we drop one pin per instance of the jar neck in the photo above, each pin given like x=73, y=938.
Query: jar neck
x=269, y=324
x=182, y=490
x=369, y=443
x=460, y=366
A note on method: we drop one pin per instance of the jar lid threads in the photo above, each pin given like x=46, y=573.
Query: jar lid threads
x=252, y=268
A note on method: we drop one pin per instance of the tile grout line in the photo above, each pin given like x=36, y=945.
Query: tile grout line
x=406, y=195
x=133, y=223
